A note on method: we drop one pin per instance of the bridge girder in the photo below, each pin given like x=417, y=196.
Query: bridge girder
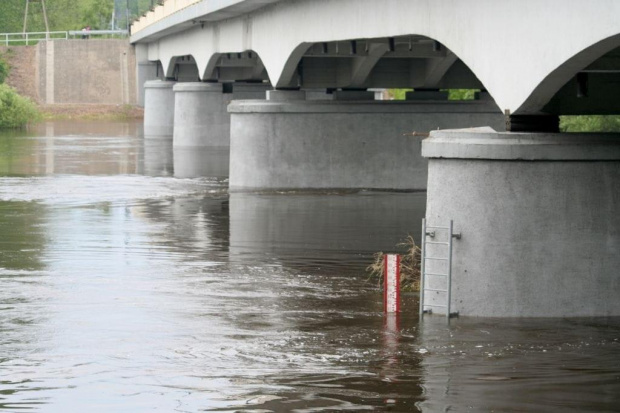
x=523, y=53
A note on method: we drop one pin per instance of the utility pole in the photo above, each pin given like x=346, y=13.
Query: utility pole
x=113, y=21
x=47, y=27
x=127, y=14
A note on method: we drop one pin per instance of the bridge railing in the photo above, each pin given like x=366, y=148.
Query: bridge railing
x=31, y=38
x=163, y=9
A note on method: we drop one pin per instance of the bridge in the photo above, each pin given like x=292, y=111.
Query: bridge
x=288, y=86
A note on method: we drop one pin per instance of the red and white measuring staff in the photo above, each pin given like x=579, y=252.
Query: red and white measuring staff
x=391, y=290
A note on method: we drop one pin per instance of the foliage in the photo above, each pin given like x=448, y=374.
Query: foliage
x=590, y=123
x=462, y=94
x=409, y=266
x=4, y=69
x=63, y=15
x=398, y=94
x=98, y=13
x=453, y=94
x=15, y=110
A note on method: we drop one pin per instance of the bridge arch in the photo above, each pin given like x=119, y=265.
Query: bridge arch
x=183, y=68
x=566, y=80
x=404, y=61
x=235, y=66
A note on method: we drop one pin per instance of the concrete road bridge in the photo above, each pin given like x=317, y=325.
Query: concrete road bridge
x=289, y=86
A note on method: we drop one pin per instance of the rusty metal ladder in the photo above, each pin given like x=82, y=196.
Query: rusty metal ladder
x=429, y=231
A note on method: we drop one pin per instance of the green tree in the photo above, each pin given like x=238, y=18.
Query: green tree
x=590, y=123
x=4, y=69
x=97, y=13
x=462, y=94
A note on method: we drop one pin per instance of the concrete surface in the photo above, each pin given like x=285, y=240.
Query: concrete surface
x=86, y=71
x=484, y=143
x=540, y=238
x=285, y=95
x=158, y=108
x=522, y=54
x=23, y=75
x=201, y=117
x=335, y=144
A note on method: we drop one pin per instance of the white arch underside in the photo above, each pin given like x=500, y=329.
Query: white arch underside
x=511, y=46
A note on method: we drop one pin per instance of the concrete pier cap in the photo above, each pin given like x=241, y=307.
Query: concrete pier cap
x=539, y=218
x=301, y=144
x=158, y=108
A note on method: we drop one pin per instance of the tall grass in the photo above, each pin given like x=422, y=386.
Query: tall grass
x=15, y=111
x=409, y=266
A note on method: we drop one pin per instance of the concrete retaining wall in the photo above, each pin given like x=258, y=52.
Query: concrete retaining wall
x=86, y=71
x=22, y=60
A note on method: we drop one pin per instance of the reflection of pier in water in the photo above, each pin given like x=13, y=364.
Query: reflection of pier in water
x=161, y=159
x=300, y=230
x=326, y=231
x=530, y=364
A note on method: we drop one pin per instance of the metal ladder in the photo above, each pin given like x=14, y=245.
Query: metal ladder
x=433, y=232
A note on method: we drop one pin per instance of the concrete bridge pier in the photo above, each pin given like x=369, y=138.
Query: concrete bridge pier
x=146, y=71
x=158, y=108
x=538, y=214
x=201, y=118
x=288, y=142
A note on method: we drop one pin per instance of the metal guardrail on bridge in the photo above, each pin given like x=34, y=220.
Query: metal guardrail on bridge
x=13, y=39
x=161, y=10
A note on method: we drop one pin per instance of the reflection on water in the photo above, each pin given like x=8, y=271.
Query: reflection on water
x=521, y=365
x=201, y=161
x=130, y=280
x=338, y=231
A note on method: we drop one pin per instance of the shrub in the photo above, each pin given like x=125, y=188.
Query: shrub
x=15, y=110
x=4, y=69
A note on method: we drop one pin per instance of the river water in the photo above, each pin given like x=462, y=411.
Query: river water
x=131, y=281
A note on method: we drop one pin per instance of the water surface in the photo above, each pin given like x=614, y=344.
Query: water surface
x=131, y=281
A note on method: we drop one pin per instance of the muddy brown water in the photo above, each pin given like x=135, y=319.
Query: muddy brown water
x=131, y=281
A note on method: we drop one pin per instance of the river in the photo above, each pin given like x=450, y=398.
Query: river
x=132, y=281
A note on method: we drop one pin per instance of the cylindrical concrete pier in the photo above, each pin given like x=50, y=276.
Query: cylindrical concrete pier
x=539, y=219
x=158, y=108
x=201, y=118
x=299, y=144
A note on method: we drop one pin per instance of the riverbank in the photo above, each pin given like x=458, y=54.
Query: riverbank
x=90, y=112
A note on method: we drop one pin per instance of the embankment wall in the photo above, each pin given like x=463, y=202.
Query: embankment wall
x=93, y=71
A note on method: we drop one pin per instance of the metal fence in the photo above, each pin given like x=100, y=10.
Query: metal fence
x=31, y=38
